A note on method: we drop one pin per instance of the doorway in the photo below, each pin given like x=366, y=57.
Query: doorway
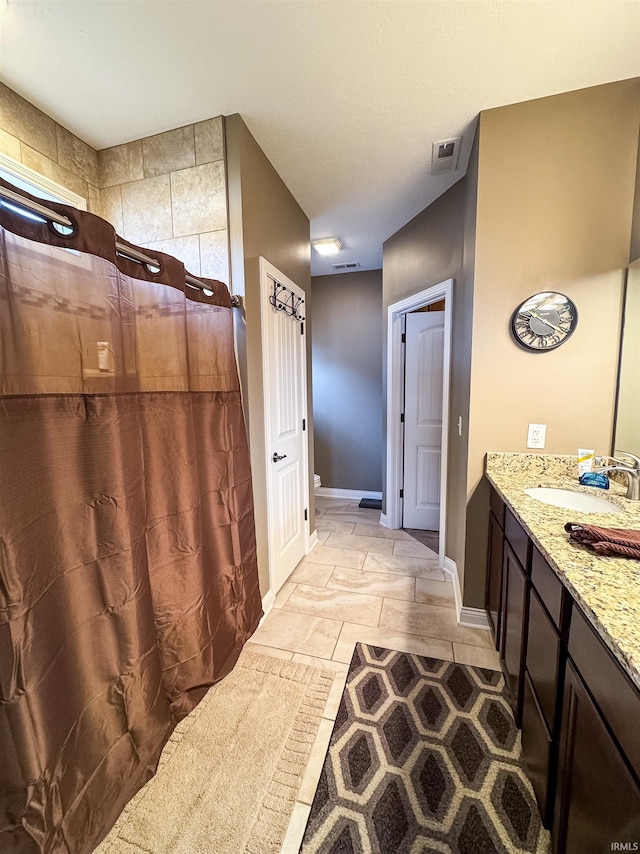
x=396, y=317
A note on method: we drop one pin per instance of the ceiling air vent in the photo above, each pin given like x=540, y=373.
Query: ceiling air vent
x=444, y=157
x=351, y=265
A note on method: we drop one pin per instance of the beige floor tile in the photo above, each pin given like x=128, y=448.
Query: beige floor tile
x=374, y=583
x=307, y=572
x=369, y=512
x=399, y=565
x=331, y=503
x=316, y=761
x=476, y=656
x=432, y=592
x=349, y=558
x=378, y=545
x=283, y=594
x=412, y=548
x=268, y=650
x=322, y=536
x=429, y=621
x=335, y=604
x=353, y=517
x=296, y=829
x=401, y=641
x=299, y=632
x=329, y=525
x=318, y=513
x=380, y=531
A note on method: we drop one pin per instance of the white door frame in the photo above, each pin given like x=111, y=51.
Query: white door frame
x=395, y=402
x=267, y=273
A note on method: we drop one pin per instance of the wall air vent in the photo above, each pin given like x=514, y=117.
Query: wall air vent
x=444, y=157
x=350, y=265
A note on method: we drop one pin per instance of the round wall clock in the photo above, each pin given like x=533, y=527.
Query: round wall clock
x=544, y=321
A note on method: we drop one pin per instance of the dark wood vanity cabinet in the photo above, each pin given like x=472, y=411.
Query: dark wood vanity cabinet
x=598, y=792
x=577, y=708
x=598, y=800
x=494, y=575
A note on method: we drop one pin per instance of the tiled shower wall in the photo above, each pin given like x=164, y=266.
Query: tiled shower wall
x=169, y=192
x=32, y=138
x=166, y=191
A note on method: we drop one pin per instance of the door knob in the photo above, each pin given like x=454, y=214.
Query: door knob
x=277, y=457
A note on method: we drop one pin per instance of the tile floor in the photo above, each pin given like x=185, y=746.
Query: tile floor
x=362, y=582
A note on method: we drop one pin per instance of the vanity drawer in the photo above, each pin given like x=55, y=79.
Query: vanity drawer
x=497, y=507
x=543, y=658
x=611, y=688
x=548, y=586
x=518, y=539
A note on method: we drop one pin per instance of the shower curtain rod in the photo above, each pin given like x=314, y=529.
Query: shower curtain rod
x=121, y=248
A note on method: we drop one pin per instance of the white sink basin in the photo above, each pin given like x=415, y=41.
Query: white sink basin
x=572, y=500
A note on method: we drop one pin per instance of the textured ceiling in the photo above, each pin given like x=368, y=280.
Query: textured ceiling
x=345, y=98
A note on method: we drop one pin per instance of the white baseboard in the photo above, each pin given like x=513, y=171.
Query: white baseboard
x=472, y=618
x=354, y=494
x=267, y=603
x=269, y=597
x=451, y=569
x=384, y=520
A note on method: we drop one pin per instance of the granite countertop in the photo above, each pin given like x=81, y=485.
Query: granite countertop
x=606, y=588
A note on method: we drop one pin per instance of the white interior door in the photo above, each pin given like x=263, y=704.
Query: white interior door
x=284, y=351
x=424, y=357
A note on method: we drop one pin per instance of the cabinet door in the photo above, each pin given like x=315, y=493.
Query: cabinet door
x=537, y=749
x=513, y=622
x=598, y=799
x=543, y=659
x=494, y=575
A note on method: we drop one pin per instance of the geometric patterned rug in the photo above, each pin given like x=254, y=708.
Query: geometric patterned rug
x=424, y=757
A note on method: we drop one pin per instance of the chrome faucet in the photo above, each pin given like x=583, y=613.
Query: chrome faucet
x=632, y=472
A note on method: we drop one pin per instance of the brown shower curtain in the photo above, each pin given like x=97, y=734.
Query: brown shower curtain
x=128, y=579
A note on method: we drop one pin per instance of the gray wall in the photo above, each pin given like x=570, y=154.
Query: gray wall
x=427, y=250
x=348, y=406
x=264, y=220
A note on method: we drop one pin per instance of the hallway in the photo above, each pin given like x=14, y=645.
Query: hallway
x=367, y=583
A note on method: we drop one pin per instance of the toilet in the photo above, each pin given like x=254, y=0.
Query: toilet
x=316, y=482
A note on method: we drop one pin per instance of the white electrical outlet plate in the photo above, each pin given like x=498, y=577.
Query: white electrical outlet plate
x=536, y=435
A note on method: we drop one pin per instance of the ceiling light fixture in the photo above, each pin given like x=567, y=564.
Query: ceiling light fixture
x=328, y=245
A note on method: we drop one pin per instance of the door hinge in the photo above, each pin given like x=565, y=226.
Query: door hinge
x=402, y=493
x=302, y=328
x=404, y=338
x=402, y=417
x=304, y=423
x=306, y=515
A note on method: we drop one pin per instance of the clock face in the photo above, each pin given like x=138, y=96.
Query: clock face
x=544, y=321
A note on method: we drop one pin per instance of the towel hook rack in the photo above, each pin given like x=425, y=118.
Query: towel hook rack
x=284, y=299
